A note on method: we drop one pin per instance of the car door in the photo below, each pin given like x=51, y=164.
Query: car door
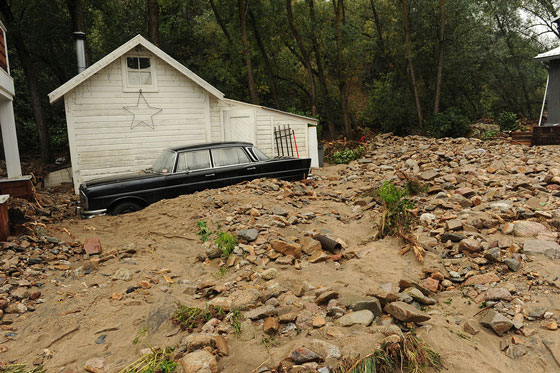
x=193, y=173
x=232, y=165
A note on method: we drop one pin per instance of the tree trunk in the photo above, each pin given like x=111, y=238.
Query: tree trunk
x=30, y=78
x=440, y=61
x=243, y=7
x=220, y=21
x=153, y=21
x=304, y=56
x=342, y=83
x=321, y=72
x=266, y=60
x=411, y=65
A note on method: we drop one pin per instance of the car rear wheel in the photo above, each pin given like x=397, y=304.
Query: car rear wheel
x=125, y=208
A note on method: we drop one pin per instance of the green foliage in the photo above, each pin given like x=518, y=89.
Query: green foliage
x=235, y=319
x=450, y=123
x=507, y=121
x=397, y=218
x=490, y=134
x=226, y=243
x=192, y=318
x=347, y=155
x=203, y=232
x=157, y=361
x=141, y=333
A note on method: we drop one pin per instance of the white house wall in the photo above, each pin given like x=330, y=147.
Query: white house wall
x=104, y=141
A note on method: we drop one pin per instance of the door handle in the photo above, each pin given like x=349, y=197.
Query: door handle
x=251, y=168
x=210, y=175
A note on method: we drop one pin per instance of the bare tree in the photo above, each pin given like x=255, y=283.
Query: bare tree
x=243, y=6
x=411, y=64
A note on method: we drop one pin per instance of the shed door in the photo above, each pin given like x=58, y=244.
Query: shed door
x=240, y=126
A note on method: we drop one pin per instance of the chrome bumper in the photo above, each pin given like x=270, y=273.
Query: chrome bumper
x=86, y=214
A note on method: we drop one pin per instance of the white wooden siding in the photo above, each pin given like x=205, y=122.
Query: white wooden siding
x=105, y=143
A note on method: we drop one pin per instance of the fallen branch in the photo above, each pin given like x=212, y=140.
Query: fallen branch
x=62, y=336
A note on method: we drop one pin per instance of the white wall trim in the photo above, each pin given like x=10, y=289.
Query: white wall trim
x=72, y=142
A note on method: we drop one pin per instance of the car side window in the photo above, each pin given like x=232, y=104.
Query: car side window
x=193, y=160
x=229, y=157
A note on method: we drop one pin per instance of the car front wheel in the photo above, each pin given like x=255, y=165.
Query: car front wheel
x=125, y=208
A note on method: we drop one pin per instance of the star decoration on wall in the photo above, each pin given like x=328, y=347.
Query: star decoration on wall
x=142, y=113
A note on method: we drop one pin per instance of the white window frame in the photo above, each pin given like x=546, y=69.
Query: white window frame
x=145, y=88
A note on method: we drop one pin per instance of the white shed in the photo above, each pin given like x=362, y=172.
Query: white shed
x=122, y=111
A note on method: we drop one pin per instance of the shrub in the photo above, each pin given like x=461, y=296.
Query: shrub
x=397, y=218
x=193, y=319
x=347, y=155
x=449, y=123
x=226, y=243
x=507, y=121
x=203, y=232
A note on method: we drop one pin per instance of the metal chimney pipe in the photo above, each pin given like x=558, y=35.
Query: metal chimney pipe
x=80, y=38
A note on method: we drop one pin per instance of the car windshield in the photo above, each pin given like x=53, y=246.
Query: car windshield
x=165, y=162
x=260, y=155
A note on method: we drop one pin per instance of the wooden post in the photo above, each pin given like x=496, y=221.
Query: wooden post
x=4, y=219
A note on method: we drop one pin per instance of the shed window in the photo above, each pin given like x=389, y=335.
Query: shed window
x=139, y=71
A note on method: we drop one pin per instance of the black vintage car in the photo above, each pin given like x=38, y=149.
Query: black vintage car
x=184, y=170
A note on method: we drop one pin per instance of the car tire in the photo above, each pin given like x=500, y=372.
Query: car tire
x=125, y=208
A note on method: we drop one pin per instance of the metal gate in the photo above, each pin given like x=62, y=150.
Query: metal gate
x=285, y=139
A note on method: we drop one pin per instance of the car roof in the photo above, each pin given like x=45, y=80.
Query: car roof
x=210, y=145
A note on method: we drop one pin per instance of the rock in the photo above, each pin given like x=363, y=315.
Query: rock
x=286, y=248
x=526, y=228
x=95, y=365
x=372, y=304
x=248, y=235
x=427, y=218
x=518, y=321
x=469, y=244
x=213, y=252
x=497, y=294
x=92, y=246
x=193, y=342
x=465, y=192
x=428, y=174
x=496, y=321
x=483, y=279
x=310, y=245
x=19, y=293
x=271, y=325
x=454, y=225
x=513, y=264
x=122, y=274
x=514, y=351
x=471, y=327
x=18, y=308
x=277, y=210
x=325, y=350
x=453, y=237
x=221, y=345
x=405, y=312
x=261, y=312
x=269, y=274
x=303, y=355
x=318, y=256
x=419, y=297
x=431, y=284
x=325, y=296
x=536, y=312
x=363, y=317
x=540, y=247
x=319, y=321
x=200, y=361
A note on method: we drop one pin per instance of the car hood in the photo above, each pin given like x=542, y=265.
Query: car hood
x=119, y=178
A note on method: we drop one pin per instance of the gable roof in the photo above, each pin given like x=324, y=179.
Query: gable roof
x=313, y=120
x=58, y=93
x=552, y=54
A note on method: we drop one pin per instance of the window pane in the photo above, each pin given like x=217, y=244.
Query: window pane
x=229, y=156
x=145, y=78
x=164, y=164
x=144, y=63
x=260, y=155
x=133, y=78
x=192, y=161
x=132, y=62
